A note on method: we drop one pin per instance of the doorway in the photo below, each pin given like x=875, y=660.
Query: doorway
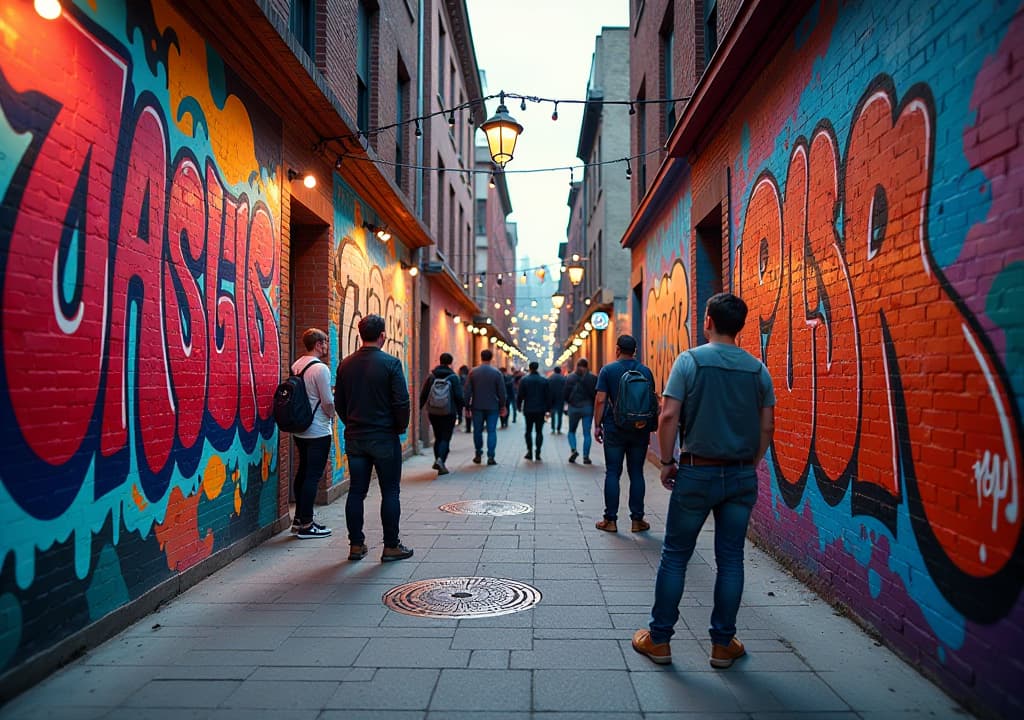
x=708, y=266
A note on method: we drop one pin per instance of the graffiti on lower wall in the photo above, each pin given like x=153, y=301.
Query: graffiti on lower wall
x=667, y=302
x=138, y=322
x=368, y=280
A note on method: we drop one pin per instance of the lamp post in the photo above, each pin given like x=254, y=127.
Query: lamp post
x=502, y=131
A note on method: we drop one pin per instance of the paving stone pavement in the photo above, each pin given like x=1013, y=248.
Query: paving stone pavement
x=293, y=631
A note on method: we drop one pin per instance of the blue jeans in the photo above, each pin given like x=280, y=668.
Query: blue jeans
x=574, y=421
x=729, y=493
x=491, y=418
x=365, y=455
x=630, y=448
x=313, y=454
x=556, y=417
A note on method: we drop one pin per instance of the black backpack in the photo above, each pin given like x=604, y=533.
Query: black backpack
x=636, y=405
x=439, y=399
x=291, y=403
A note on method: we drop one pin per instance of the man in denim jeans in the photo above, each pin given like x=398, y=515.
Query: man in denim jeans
x=371, y=396
x=721, y=400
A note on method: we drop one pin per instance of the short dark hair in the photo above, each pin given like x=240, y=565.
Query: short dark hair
x=486, y=355
x=312, y=336
x=371, y=327
x=558, y=370
x=582, y=363
x=534, y=365
x=627, y=344
x=446, y=358
x=728, y=313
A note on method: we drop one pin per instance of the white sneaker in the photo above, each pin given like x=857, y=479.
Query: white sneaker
x=313, y=531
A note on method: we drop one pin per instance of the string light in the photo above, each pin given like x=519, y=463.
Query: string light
x=522, y=105
x=419, y=131
x=629, y=170
x=554, y=115
x=451, y=120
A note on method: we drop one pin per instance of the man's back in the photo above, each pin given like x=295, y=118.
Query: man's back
x=580, y=390
x=608, y=382
x=534, y=394
x=371, y=395
x=486, y=388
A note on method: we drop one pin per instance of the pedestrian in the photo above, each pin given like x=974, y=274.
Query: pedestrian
x=580, y=393
x=442, y=397
x=621, y=443
x=510, y=396
x=557, y=382
x=488, y=400
x=372, y=397
x=534, y=400
x=722, y=398
x=467, y=414
x=313, y=443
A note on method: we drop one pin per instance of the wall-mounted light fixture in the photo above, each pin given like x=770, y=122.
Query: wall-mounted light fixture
x=48, y=9
x=309, y=179
x=557, y=301
x=413, y=270
x=381, y=231
x=457, y=319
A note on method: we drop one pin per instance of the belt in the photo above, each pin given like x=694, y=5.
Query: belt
x=691, y=459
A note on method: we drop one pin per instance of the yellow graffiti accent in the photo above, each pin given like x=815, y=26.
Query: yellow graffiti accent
x=214, y=477
x=232, y=138
x=238, y=500
x=140, y=502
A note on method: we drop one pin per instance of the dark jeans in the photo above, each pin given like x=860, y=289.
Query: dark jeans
x=729, y=493
x=443, y=426
x=557, y=413
x=385, y=456
x=574, y=421
x=491, y=418
x=313, y=454
x=534, y=422
x=631, y=448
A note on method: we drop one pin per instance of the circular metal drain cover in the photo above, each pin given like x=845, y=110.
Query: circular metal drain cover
x=462, y=597
x=487, y=507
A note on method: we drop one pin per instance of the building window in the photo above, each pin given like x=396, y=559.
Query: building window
x=442, y=40
x=481, y=216
x=401, y=131
x=641, y=145
x=363, y=68
x=302, y=23
x=710, y=30
x=667, y=71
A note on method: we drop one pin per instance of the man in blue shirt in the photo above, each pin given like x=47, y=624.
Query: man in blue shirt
x=720, y=398
x=621, y=445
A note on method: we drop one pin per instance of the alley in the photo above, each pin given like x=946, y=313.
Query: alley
x=293, y=631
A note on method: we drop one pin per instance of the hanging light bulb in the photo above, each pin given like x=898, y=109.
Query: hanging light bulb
x=554, y=115
x=491, y=183
x=522, y=104
x=522, y=280
x=451, y=120
x=629, y=170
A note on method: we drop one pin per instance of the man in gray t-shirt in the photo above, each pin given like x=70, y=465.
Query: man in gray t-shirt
x=720, y=399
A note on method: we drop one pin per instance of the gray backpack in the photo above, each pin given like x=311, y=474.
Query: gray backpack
x=439, y=400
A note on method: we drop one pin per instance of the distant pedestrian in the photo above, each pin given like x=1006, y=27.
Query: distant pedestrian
x=621, y=443
x=488, y=400
x=510, y=396
x=467, y=414
x=442, y=398
x=580, y=393
x=722, y=398
x=557, y=382
x=372, y=397
x=313, y=443
x=534, y=401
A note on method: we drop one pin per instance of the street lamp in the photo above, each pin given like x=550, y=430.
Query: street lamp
x=502, y=131
x=576, y=274
x=557, y=301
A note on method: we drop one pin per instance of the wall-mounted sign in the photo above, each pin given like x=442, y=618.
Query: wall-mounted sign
x=599, y=320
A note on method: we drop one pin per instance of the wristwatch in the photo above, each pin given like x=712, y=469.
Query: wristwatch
x=671, y=462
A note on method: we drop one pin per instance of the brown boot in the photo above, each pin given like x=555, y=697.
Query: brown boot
x=607, y=525
x=356, y=552
x=396, y=553
x=723, y=656
x=640, y=526
x=660, y=653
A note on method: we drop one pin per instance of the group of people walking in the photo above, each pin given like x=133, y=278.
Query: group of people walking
x=713, y=425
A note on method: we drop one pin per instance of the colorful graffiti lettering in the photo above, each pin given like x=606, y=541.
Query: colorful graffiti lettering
x=903, y=398
x=667, y=332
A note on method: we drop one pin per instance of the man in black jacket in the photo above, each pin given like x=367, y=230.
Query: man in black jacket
x=371, y=396
x=534, y=401
x=580, y=393
x=557, y=383
x=442, y=419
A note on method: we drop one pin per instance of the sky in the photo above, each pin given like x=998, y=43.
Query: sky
x=541, y=48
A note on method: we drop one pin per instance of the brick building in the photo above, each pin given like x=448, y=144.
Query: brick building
x=163, y=253
x=852, y=171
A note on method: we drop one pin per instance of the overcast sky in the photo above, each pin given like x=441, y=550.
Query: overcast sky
x=541, y=48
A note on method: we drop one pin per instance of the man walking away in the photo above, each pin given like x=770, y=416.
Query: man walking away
x=722, y=400
x=580, y=393
x=534, y=401
x=313, y=443
x=510, y=396
x=487, y=399
x=442, y=397
x=621, y=443
x=467, y=415
x=557, y=383
x=372, y=397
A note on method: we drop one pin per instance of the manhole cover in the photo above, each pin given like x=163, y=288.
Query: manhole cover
x=487, y=507
x=462, y=597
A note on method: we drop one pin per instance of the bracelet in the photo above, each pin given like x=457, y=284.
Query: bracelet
x=670, y=463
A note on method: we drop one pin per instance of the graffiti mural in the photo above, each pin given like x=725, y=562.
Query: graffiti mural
x=138, y=312
x=368, y=280
x=667, y=301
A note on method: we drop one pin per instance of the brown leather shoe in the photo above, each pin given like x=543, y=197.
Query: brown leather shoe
x=723, y=656
x=396, y=553
x=606, y=525
x=640, y=526
x=660, y=653
x=356, y=552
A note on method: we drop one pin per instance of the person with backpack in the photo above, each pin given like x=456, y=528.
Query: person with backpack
x=557, y=383
x=441, y=397
x=534, y=400
x=719, y=398
x=313, y=442
x=580, y=393
x=626, y=410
